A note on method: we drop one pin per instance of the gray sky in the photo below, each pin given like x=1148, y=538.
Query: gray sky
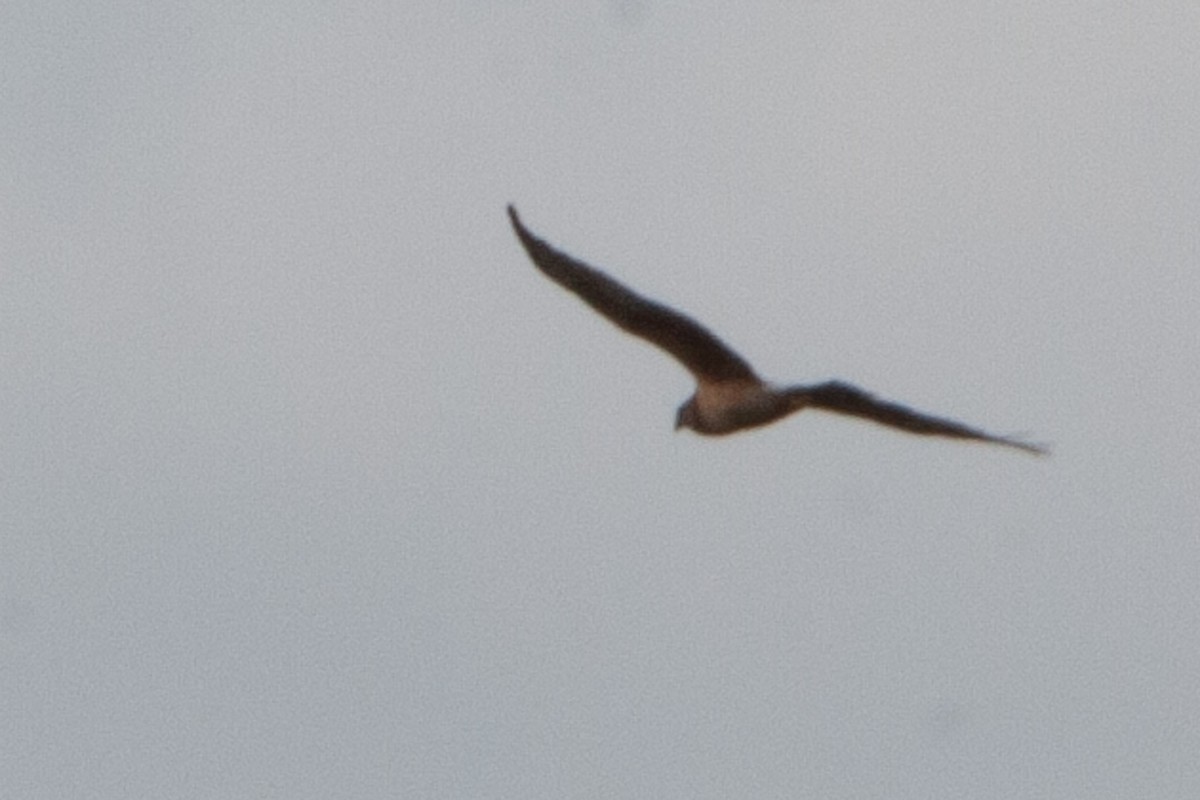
x=311, y=486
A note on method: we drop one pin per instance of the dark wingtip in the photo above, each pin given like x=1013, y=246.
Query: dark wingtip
x=1034, y=448
x=528, y=240
x=1041, y=449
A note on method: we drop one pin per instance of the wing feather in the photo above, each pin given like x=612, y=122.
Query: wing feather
x=701, y=352
x=842, y=398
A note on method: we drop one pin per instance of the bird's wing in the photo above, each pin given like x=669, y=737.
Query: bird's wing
x=842, y=398
x=704, y=355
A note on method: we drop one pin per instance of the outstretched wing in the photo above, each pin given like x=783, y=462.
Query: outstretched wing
x=704, y=355
x=842, y=398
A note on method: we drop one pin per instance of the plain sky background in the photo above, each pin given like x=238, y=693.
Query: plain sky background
x=311, y=486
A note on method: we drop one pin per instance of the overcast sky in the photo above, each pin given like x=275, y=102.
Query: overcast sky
x=311, y=486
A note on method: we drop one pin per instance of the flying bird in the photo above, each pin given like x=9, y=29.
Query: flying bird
x=729, y=395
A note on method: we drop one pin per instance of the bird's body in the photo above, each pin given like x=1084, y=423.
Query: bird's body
x=724, y=407
x=729, y=395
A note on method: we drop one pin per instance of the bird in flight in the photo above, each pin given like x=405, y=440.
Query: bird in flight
x=729, y=395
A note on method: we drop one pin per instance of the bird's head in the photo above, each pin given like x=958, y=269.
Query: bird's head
x=686, y=417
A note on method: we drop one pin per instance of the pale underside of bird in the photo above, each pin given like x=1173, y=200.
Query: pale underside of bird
x=729, y=395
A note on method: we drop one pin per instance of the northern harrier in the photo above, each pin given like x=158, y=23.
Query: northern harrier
x=729, y=395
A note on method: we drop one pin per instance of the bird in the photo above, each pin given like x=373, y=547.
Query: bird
x=729, y=395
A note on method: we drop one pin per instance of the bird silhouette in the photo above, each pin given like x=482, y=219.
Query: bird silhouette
x=729, y=395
